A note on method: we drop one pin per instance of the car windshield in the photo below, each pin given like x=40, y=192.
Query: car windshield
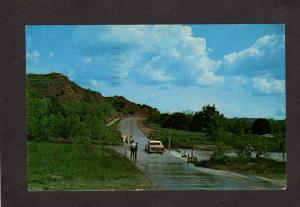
x=154, y=143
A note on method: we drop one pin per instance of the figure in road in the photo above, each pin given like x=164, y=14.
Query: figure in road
x=132, y=149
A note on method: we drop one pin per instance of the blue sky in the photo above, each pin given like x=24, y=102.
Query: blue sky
x=239, y=68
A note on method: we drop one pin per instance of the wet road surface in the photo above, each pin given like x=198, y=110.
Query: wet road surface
x=169, y=171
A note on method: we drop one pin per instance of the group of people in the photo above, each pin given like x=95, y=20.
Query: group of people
x=133, y=146
x=190, y=157
x=193, y=154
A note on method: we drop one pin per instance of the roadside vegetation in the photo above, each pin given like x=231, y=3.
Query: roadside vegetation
x=60, y=110
x=208, y=129
x=253, y=166
x=68, y=137
x=53, y=166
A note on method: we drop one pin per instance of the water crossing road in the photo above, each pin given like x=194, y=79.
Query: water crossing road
x=170, y=172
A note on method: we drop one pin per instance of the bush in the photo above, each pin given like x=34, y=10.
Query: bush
x=261, y=126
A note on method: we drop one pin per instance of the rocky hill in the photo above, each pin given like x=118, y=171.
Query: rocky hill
x=58, y=86
x=123, y=105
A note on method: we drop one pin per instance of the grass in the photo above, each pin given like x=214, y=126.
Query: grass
x=252, y=166
x=179, y=138
x=53, y=166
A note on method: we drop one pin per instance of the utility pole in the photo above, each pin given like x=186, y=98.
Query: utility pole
x=170, y=139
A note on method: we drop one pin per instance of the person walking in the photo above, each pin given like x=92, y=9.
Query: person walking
x=132, y=150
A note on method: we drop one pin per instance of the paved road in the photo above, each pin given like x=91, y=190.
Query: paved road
x=168, y=171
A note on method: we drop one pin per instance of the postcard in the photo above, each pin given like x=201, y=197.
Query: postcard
x=156, y=107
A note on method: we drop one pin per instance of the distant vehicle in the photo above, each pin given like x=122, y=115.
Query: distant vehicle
x=154, y=146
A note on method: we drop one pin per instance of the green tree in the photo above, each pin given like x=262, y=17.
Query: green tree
x=261, y=126
x=209, y=119
x=179, y=121
x=278, y=127
x=241, y=127
x=45, y=131
x=56, y=107
x=165, y=120
x=154, y=117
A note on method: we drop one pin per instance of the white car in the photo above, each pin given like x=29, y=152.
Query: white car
x=154, y=146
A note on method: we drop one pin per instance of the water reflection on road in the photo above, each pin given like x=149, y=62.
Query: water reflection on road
x=168, y=171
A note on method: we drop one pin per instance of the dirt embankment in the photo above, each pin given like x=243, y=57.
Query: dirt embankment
x=146, y=130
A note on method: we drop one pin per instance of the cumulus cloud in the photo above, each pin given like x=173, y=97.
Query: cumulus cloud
x=258, y=49
x=157, y=75
x=266, y=85
x=153, y=53
x=209, y=78
x=264, y=58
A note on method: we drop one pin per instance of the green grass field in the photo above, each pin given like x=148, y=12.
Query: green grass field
x=53, y=166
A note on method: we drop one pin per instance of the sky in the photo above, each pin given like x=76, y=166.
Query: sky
x=238, y=67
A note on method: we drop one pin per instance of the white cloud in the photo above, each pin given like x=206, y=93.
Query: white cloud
x=268, y=85
x=33, y=56
x=255, y=50
x=209, y=78
x=171, y=52
x=88, y=60
x=157, y=75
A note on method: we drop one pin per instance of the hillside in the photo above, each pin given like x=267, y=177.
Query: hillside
x=58, y=108
x=58, y=86
x=123, y=105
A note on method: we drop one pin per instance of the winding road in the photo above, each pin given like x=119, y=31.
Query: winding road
x=170, y=172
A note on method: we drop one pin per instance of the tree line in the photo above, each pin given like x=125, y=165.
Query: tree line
x=240, y=133
x=209, y=119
